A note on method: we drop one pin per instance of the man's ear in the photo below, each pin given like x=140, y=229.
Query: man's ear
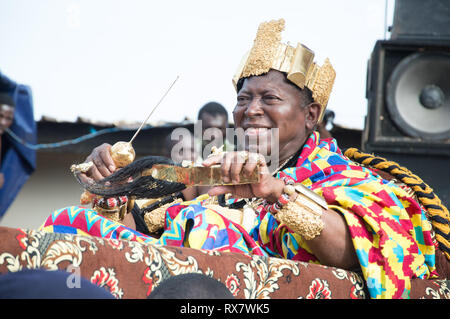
x=312, y=115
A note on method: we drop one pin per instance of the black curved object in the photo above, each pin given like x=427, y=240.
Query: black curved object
x=129, y=181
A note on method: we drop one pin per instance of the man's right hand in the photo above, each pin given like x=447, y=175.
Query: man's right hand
x=103, y=162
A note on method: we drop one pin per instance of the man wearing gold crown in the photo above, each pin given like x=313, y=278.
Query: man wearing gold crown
x=317, y=206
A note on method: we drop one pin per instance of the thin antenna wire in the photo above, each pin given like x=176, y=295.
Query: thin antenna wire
x=145, y=121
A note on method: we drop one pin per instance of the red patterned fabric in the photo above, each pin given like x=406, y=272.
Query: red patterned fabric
x=129, y=269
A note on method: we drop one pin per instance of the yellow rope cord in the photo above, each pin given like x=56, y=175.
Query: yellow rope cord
x=437, y=212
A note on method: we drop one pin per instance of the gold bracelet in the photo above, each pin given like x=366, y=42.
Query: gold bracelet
x=304, y=215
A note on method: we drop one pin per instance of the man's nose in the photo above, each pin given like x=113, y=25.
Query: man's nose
x=254, y=108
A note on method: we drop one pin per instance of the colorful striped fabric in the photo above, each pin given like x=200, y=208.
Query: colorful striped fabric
x=391, y=234
x=187, y=224
x=85, y=221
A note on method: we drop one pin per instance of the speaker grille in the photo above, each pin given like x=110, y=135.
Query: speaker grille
x=418, y=95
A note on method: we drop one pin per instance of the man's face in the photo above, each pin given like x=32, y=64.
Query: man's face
x=216, y=126
x=6, y=117
x=267, y=102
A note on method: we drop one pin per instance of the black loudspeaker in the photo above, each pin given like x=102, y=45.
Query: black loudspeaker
x=408, y=93
x=421, y=19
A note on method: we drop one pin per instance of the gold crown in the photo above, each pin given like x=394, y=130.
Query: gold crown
x=269, y=53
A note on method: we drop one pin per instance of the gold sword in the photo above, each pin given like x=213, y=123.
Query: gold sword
x=197, y=176
x=123, y=154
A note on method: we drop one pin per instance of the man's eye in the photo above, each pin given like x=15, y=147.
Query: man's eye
x=271, y=98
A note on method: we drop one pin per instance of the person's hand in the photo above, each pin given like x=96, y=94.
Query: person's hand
x=2, y=180
x=235, y=163
x=103, y=163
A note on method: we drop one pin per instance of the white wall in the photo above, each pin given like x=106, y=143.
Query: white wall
x=52, y=186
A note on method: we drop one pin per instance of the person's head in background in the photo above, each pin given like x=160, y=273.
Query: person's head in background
x=179, y=146
x=214, y=118
x=191, y=286
x=7, y=107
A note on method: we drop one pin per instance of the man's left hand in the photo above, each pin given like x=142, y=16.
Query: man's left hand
x=235, y=163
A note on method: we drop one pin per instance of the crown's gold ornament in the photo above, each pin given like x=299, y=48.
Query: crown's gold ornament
x=269, y=53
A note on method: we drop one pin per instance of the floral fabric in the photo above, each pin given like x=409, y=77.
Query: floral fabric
x=132, y=269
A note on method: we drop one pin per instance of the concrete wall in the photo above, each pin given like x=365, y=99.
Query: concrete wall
x=52, y=186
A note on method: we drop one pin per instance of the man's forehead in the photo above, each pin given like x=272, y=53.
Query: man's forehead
x=271, y=82
x=272, y=78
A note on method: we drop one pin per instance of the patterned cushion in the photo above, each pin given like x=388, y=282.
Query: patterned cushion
x=132, y=270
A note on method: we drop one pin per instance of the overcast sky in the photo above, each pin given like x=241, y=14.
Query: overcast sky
x=113, y=60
